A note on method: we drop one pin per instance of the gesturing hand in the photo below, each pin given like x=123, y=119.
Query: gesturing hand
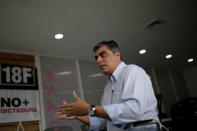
x=78, y=108
x=59, y=115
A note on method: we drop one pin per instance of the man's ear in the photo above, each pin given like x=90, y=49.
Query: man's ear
x=118, y=54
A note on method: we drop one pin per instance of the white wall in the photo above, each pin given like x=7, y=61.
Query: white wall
x=190, y=76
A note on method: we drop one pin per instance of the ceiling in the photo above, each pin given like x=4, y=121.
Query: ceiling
x=30, y=26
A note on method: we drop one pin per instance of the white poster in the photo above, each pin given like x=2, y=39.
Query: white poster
x=19, y=99
x=19, y=105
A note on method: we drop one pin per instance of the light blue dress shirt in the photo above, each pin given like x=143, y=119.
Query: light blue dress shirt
x=128, y=97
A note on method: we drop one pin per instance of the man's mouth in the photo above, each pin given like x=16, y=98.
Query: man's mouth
x=102, y=66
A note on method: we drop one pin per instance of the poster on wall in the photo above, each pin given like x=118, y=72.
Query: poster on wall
x=19, y=98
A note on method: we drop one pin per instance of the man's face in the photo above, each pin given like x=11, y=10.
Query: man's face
x=107, y=60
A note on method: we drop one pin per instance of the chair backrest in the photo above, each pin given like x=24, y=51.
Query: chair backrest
x=59, y=128
x=184, y=114
x=84, y=127
x=184, y=109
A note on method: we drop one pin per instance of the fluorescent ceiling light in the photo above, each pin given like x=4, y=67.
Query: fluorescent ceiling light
x=142, y=51
x=64, y=73
x=190, y=60
x=59, y=36
x=96, y=75
x=168, y=56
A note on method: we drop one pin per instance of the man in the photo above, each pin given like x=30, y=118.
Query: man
x=128, y=96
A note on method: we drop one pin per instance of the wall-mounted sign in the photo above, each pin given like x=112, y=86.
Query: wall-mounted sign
x=19, y=105
x=18, y=77
x=19, y=97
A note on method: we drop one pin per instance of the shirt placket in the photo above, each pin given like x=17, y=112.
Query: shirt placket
x=112, y=92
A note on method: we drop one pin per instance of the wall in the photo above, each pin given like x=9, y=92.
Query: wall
x=60, y=77
x=93, y=82
x=190, y=76
x=170, y=84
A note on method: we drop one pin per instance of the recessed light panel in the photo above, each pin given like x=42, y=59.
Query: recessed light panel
x=59, y=36
x=168, y=56
x=190, y=60
x=142, y=51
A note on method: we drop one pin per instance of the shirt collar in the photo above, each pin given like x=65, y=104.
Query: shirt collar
x=116, y=73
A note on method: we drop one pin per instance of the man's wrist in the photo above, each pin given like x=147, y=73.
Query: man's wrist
x=92, y=110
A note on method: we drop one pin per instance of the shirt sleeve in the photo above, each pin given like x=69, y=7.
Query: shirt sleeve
x=97, y=124
x=133, y=99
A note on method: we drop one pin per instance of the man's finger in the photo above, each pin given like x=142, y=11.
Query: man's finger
x=75, y=96
x=64, y=105
x=60, y=116
x=64, y=110
x=64, y=102
x=58, y=113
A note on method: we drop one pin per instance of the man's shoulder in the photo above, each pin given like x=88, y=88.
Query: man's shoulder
x=133, y=70
x=133, y=67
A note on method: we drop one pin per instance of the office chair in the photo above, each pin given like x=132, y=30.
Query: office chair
x=59, y=128
x=184, y=114
x=84, y=127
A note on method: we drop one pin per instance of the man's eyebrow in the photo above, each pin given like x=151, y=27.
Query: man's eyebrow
x=100, y=54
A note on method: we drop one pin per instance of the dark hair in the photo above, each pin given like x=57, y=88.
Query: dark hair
x=112, y=45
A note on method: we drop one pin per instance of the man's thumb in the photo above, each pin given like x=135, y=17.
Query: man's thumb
x=75, y=96
x=64, y=102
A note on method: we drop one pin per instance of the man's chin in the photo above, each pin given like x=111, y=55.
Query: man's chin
x=106, y=72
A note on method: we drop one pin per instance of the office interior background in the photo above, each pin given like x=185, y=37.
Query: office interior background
x=161, y=28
